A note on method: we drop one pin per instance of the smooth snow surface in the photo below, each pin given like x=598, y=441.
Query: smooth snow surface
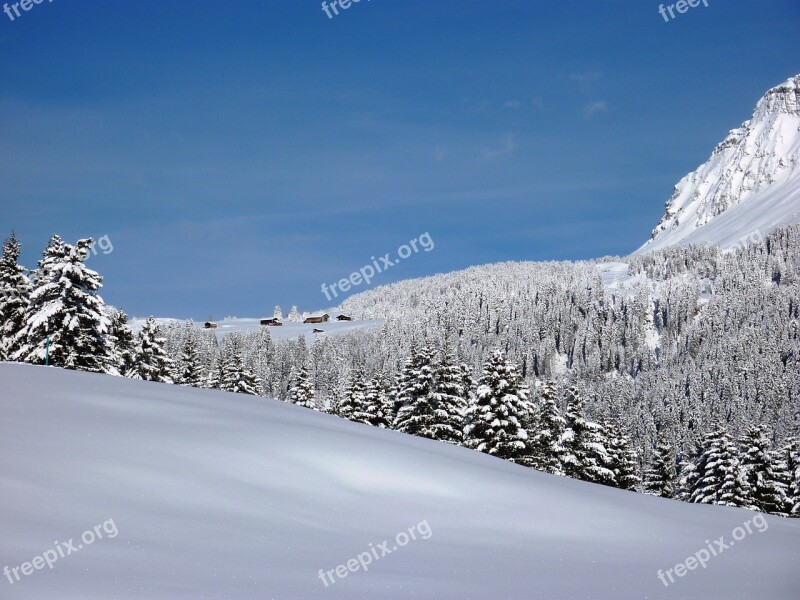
x=218, y=495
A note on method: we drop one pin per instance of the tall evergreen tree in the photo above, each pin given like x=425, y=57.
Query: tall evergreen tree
x=661, y=477
x=353, y=405
x=766, y=492
x=625, y=462
x=495, y=422
x=585, y=455
x=417, y=413
x=548, y=430
x=151, y=362
x=14, y=298
x=717, y=476
x=450, y=401
x=236, y=375
x=378, y=407
x=190, y=372
x=121, y=341
x=302, y=390
x=66, y=309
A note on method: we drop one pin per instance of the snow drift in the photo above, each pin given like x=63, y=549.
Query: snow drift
x=219, y=495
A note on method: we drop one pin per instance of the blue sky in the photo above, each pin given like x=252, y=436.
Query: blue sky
x=239, y=154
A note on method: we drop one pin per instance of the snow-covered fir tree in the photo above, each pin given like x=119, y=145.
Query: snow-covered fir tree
x=450, y=400
x=377, y=403
x=624, y=460
x=294, y=315
x=65, y=321
x=584, y=452
x=121, y=340
x=14, y=298
x=277, y=313
x=417, y=413
x=151, y=362
x=716, y=477
x=661, y=476
x=238, y=378
x=766, y=492
x=353, y=404
x=302, y=390
x=188, y=368
x=495, y=422
x=547, y=432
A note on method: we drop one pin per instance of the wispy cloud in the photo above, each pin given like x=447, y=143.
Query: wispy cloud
x=591, y=109
x=585, y=80
x=512, y=104
x=502, y=150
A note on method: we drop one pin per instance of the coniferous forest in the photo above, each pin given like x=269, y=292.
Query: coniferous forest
x=679, y=377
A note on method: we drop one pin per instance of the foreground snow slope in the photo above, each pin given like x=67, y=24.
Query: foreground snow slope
x=218, y=495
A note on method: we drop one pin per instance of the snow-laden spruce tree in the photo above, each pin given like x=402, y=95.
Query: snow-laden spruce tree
x=716, y=477
x=294, y=315
x=378, y=407
x=625, y=460
x=787, y=464
x=237, y=376
x=548, y=430
x=353, y=404
x=151, y=362
x=495, y=422
x=64, y=306
x=216, y=373
x=660, y=478
x=450, y=401
x=417, y=412
x=121, y=341
x=585, y=454
x=765, y=489
x=302, y=390
x=14, y=298
x=277, y=313
x=188, y=367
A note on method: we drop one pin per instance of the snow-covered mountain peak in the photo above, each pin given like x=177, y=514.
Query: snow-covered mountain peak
x=751, y=182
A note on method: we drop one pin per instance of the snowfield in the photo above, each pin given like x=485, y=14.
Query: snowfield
x=218, y=495
x=287, y=331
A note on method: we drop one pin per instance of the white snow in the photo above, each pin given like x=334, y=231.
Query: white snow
x=235, y=497
x=750, y=185
x=287, y=331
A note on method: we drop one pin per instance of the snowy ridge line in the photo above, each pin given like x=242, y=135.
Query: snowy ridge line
x=751, y=181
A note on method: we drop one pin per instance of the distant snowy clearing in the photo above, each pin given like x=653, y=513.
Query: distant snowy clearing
x=235, y=497
x=287, y=331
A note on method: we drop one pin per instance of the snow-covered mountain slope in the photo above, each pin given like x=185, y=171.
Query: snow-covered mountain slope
x=216, y=495
x=749, y=186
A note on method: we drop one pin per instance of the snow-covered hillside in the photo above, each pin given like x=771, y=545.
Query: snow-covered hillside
x=751, y=183
x=216, y=495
